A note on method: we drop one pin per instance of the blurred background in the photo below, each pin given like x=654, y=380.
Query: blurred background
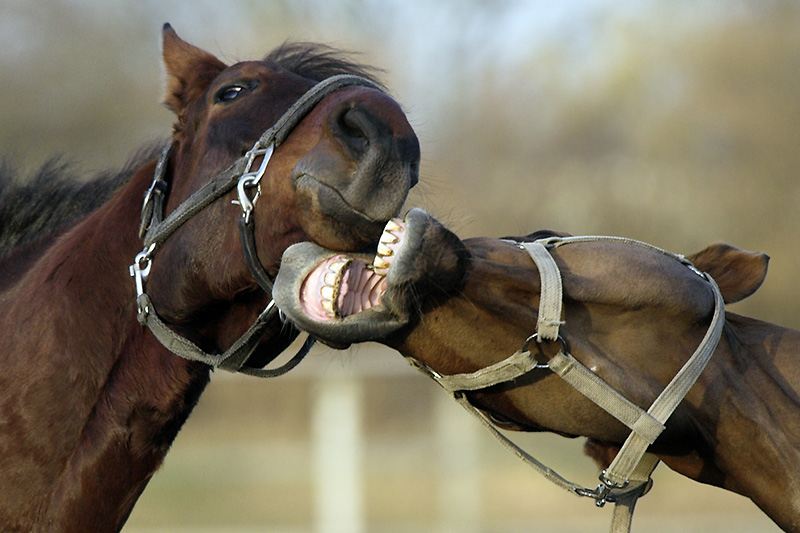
x=673, y=122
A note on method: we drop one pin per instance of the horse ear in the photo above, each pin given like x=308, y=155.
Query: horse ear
x=738, y=273
x=189, y=69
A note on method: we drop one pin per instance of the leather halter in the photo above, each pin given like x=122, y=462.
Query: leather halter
x=155, y=229
x=628, y=476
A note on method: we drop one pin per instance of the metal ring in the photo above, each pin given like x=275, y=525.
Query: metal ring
x=535, y=337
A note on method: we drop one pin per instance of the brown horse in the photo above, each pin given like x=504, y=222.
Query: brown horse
x=90, y=400
x=631, y=315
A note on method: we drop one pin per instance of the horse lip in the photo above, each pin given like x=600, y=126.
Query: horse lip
x=333, y=204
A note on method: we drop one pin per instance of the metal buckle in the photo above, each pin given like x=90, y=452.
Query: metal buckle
x=251, y=156
x=156, y=187
x=602, y=494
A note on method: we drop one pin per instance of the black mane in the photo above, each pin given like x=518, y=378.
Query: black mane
x=54, y=198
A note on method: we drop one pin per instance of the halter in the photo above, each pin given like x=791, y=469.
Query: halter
x=628, y=476
x=155, y=229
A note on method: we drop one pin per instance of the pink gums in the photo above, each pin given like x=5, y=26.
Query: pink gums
x=341, y=286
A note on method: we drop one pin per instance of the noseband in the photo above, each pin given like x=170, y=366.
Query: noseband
x=628, y=477
x=155, y=229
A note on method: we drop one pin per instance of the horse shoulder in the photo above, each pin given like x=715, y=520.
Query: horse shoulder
x=738, y=273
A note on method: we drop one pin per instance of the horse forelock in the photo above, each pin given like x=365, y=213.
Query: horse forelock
x=55, y=197
x=318, y=61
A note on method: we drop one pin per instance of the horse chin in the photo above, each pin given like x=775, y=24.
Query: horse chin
x=348, y=298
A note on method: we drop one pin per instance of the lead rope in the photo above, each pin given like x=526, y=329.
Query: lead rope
x=629, y=475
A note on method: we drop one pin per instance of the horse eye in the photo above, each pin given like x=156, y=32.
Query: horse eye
x=227, y=94
x=230, y=93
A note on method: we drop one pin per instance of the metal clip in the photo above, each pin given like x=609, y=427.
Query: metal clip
x=251, y=178
x=140, y=269
x=244, y=201
x=601, y=495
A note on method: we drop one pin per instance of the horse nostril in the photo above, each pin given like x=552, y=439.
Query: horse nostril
x=356, y=128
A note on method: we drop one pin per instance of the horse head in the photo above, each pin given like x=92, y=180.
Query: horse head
x=342, y=172
x=633, y=316
x=460, y=306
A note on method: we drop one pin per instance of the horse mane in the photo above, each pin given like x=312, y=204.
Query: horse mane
x=319, y=61
x=55, y=197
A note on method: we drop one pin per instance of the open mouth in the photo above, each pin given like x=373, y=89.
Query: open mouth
x=343, y=285
x=356, y=297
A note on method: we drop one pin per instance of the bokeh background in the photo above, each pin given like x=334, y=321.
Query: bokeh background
x=674, y=122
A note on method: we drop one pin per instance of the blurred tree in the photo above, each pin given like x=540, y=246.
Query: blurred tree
x=680, y=134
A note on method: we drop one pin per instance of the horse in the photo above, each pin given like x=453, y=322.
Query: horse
x=632, y=316
x=90, y=397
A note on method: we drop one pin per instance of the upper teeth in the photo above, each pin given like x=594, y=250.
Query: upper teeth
x=393, y=225
x=380, y=265
x=384, y=250
x=388, y=238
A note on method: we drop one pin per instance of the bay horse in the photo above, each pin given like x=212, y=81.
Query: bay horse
x=631, y=315
x=90, y=399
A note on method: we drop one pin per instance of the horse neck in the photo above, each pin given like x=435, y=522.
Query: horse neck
x=94, y=401
x=759, y=363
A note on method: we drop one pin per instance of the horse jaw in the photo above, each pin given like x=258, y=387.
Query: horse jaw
x=349, y=298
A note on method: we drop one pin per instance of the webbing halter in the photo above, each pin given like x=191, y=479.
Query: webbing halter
x=155, y=229
x=628, y=476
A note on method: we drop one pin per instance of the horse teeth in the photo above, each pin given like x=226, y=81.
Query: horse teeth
x=327, y=292
x=394, y=225
x=380, y=271
x=331, y=278
x=380, y=263
x=384, y=251
x=328, y=306
x=389, y=238
x=337, y=266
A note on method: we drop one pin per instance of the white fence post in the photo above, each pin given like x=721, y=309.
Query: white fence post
x=337, y=448
x=457, y=442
